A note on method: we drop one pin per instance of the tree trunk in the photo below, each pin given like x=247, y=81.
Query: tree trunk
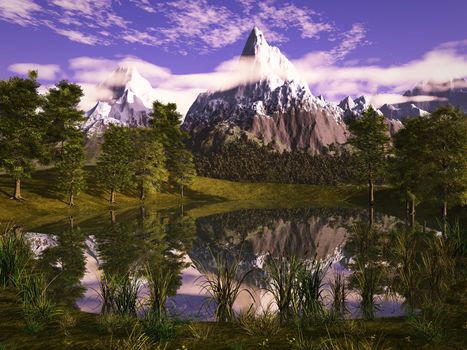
x=371, y=201
x=72, y=222
x=407, y=210
x=412, y=213
x=142, y=195
x=112, y=217
x=371, y=196
x=182, y=191
x=371, y=215
x=17, y=193
x=72, y=199
x=445, y=209
x=112, y=195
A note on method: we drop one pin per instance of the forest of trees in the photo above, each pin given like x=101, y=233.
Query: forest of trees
x=38, y=129
x=425, y=160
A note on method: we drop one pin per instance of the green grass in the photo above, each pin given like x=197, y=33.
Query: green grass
x=43, y=204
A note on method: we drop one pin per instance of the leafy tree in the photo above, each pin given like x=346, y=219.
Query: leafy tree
x=62, y=116
x=65, y=140
x=148, y=160
x=21, y=129
x=370, y=140
x=446, y=157
x=166, y=124
x=409, y=163
x=181, y=169
x=71, y=173
x=115, y=167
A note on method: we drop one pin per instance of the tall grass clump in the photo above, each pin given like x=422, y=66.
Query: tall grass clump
x=368, y=278
x=159, y=280
x=119, y=294
x=223, y=285
x=15, y=254
x=438, y=266
x=309, y=289
x=136, y=340
x=339, y=294
x=348, y=342
x=264, y=324
x=405, y=253
x=37, y=307
x=157, y=328
x=283, y=276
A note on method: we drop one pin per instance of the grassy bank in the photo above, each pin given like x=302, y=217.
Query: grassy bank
x=44, y=204
x=89, y=332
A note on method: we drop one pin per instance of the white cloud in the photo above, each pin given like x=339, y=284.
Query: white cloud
x=441, y=64
x=19, y=11
x=80, y=37
x=46, y=71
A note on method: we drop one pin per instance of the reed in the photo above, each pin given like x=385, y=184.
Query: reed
x=224, y=284
x=119, y=294
x=37, y=307
x=265, y=324
x=339, y=294
x=200, y=331
x=159, y=283
x=282, y=282
x=367, y=278
x=309, y=288
x=157, y=328
x=15, y=254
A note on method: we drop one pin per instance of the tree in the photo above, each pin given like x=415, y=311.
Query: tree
x=409, y=163
x=166, y=124
x=71, y=174
x=446, y=157
x=62, y=116
x=115, y=167
x=370, y=140
x=181, y=169
x=65, y=140
x=148, y=160
x=21, y=128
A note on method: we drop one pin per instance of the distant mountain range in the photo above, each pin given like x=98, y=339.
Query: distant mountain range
x=276, y=107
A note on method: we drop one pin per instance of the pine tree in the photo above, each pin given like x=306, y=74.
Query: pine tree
x=369, y=138
x=71, y=173
x=409, y=164
x=115, y=167
x=62, y=116
x=446, y=157
x=21, y=128
x=148, y=160
x=181, y=169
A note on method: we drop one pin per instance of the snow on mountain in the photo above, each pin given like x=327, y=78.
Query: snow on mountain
x=128, y=102
x=354, y=108
x=274, y=106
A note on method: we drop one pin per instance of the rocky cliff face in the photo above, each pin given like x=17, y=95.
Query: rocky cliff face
x=275, y=107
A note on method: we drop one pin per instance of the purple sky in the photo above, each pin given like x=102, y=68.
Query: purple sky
x=187, y=37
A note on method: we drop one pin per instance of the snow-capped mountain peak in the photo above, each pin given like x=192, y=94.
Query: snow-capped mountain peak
x=264, y=62
x=128, y=78
x=128, y=101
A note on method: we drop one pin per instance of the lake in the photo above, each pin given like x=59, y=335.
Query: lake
x=75, y=256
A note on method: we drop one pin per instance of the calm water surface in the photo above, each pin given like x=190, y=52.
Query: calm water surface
x=119, y=243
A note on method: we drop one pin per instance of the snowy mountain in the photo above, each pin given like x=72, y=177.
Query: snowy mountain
x=274, y=106
x=354, y=108
x=128, y=102
x=453, y=92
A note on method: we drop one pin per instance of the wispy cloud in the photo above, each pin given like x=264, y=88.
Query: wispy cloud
x=46, y=71
x=176, y=25
x=335, y=81
x=20, y=12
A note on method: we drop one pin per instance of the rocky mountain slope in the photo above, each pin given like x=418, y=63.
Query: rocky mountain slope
x=276, y=108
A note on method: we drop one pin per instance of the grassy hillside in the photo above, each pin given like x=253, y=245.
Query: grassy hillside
x=43, y=203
